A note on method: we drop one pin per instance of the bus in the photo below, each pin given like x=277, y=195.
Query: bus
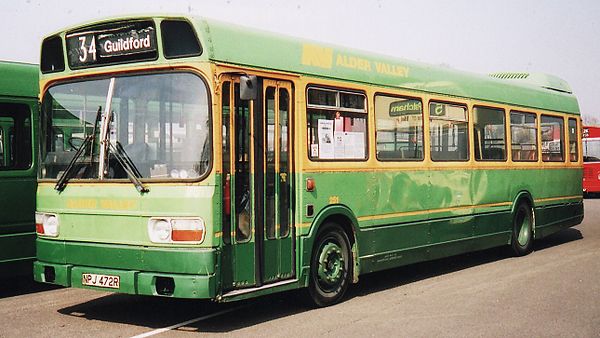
x=18, y=174
x=591, y=160
x=207, y=160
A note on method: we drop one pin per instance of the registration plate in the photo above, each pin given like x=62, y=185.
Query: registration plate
x=103, y=281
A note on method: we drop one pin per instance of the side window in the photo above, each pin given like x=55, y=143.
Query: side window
x=448, y=132
x=7, y=127
x=399, y=124
x=489, y=131
x=573, y=149
x=15, y=137
x=523, y=132
x=337, y=125
x=552, y=139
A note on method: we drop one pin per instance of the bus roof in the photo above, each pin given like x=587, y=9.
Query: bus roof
x=243, y=46
x=229, y=43
x=18, y=79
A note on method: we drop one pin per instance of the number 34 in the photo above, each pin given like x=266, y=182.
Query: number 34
x=87, y=51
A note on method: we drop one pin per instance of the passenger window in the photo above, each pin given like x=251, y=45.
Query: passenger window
x=489, y=131
x=399, y=124
x=523, y=131
x=552, y=139
x=573, y=149
x=448, y=132
x=337, y=125
x=15, y=137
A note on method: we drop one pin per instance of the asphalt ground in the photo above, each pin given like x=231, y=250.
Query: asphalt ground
x=553, y=292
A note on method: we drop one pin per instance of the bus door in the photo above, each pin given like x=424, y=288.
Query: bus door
x=256, y=164
x=277, y=249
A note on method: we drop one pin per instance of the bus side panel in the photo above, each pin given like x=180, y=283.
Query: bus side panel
x=561, y=203
x=450, y=203
x=17, y=228
x=557, y=217
x=460, y=211
x=393, y=245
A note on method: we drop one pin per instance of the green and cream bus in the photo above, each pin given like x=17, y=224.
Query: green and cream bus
x=18, y=118
x=206, y=160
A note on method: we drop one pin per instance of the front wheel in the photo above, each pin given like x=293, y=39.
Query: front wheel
x=330, y=267
x=522, y=233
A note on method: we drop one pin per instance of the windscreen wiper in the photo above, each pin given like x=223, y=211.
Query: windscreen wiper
x=90, y=139
x=125, y=161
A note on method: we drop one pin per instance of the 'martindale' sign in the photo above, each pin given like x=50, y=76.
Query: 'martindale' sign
x=124, y=43
x=406, y=107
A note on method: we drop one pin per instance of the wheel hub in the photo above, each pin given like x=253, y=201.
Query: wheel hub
x=331, y=264
x=524, y=231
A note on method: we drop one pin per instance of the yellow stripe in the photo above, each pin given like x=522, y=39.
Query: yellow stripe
x=420, y=212
x=218, y=234
x=551, y=199
x=432, y=211
x=424, y=168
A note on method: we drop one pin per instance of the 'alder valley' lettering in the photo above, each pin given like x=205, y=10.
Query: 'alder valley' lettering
x=130, y=44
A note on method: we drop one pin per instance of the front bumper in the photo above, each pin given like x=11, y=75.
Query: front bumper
x=190, y=272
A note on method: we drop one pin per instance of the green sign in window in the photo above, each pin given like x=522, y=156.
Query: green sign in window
x=406, y=107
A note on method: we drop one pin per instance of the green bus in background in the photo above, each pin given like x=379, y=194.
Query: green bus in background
x=183, y=157
x=18, y=117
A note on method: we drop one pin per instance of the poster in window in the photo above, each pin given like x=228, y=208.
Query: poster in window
x=339, y=144
x=355, y=145
x=325, y=134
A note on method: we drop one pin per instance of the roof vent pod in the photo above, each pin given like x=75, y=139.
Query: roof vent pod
x=536, y=79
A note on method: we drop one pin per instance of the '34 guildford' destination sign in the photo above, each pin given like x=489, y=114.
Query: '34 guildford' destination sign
x=114, y=44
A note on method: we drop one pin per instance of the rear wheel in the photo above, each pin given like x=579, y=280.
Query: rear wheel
x=522, y=233
x=330, y=266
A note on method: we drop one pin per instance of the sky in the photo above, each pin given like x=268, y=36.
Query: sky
x=558, y=37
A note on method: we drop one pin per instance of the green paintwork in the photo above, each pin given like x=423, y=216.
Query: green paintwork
x=394, y=218
x=132, y=282
x=438, y=230
x=18, y=85
x=120, y=214
x=19, y=80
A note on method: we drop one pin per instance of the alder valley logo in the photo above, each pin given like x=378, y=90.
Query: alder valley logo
x=328, y=58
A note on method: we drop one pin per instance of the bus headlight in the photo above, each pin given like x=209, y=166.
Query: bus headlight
x=46, y=224
x=176, y=230
x=159, y=230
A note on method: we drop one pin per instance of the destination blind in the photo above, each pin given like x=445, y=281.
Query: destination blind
x=124, y=42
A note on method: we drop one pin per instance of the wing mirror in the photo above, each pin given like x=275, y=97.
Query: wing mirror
x=248, y=87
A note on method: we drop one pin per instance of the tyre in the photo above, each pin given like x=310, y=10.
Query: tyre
x=331, y=264
x=521, y=242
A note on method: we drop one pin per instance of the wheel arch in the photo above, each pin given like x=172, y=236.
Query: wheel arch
x=522, y=195
x=345, y=218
